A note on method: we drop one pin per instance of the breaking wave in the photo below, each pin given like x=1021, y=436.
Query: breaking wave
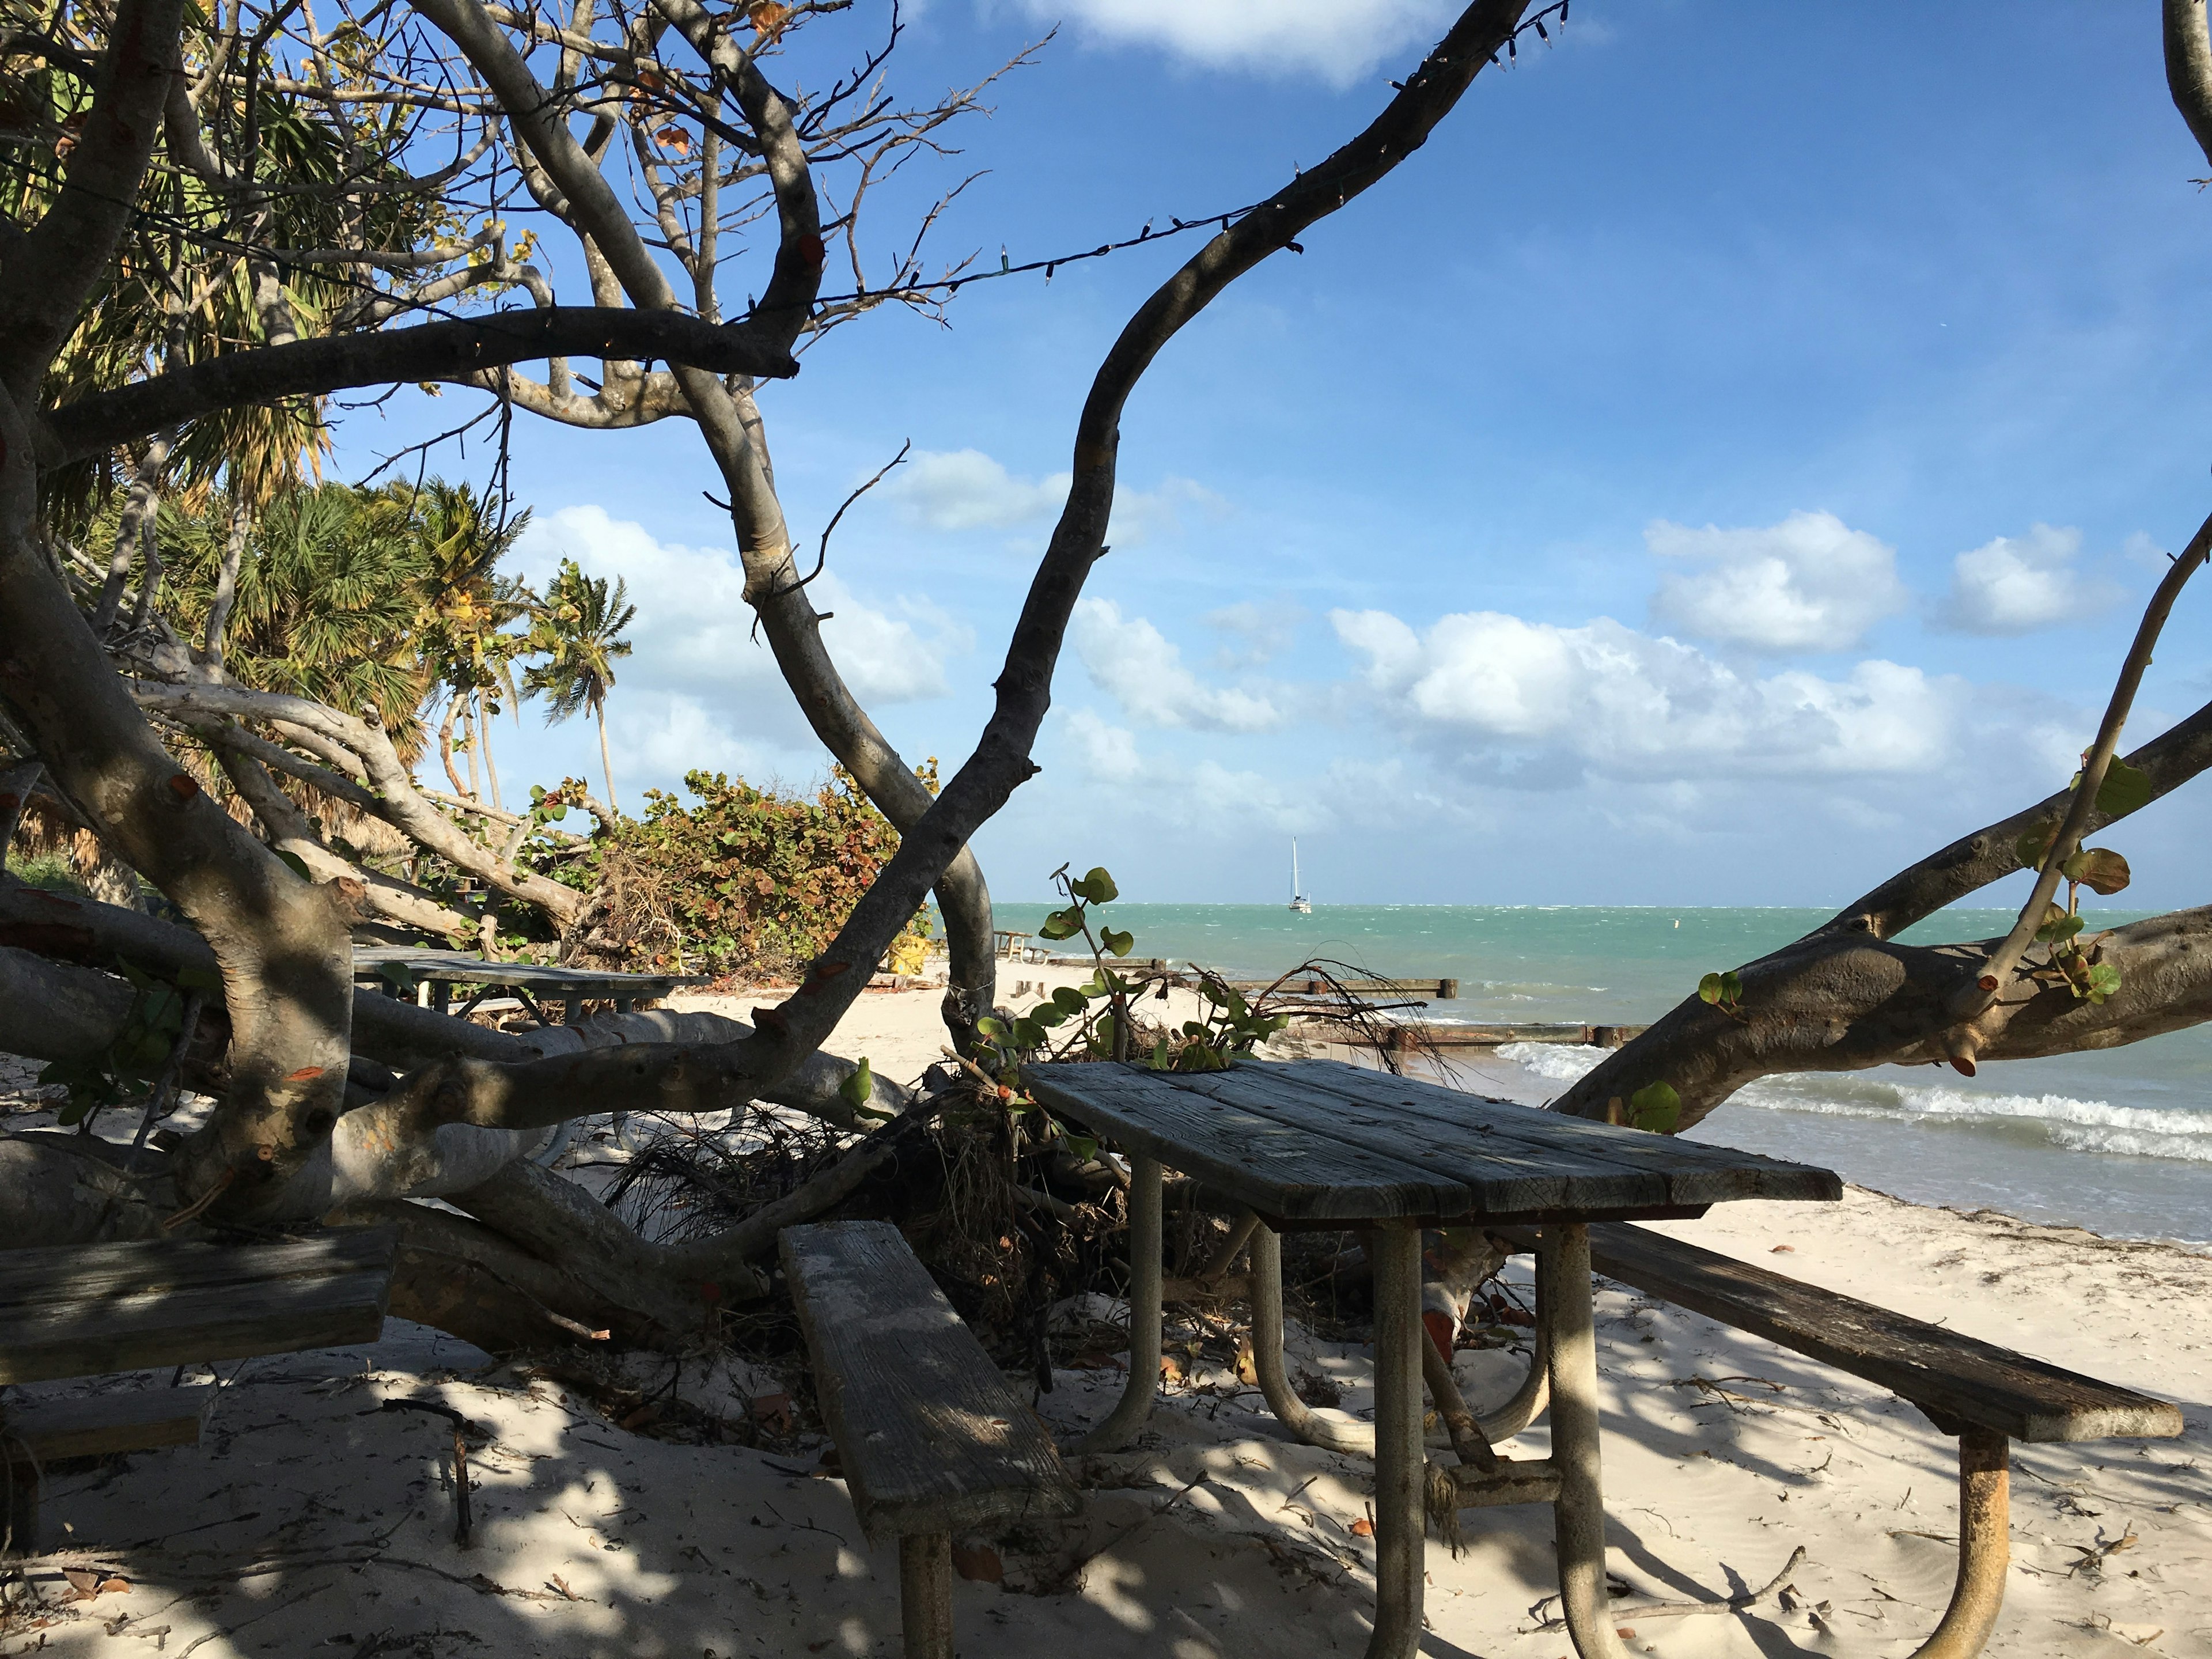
x=2085, y=1126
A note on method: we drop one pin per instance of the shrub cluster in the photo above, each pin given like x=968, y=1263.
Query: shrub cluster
x=742, y=880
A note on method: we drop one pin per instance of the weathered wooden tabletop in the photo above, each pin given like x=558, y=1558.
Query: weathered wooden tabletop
x=1316, y=1142
x=458, y=967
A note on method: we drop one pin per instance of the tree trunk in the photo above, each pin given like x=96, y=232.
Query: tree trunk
x=446, y=742
x=606, y=762
x=226, y=581
x=476, y=722
x=143, y=499
x=150, y=583
x=491, y=765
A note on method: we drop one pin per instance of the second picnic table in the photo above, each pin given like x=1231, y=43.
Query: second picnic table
x=1319, y=1144
x=438, y=971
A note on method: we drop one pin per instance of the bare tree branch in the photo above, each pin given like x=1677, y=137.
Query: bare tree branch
x=428, y=351
x=395, y=798
x=679, y=1080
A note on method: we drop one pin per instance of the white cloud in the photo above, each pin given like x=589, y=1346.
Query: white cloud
x=654, y=734
x=2015, y=585
x=1140, y=514
x=694, y=629
x=967, y=490
x=1810, y=583
x=1257, y=632
x=1108, y=752
x=1206, y=795
x=1338, y=40
x=963, y=489
x=1141, y=669
x=1548, y=701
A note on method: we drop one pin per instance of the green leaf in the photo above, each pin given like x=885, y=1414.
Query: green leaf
x=2099, y=869
x=1062, y=924
x=1097, y=887
x=2061, y=928
x=2035, y=842
x=2125, y=789
x=1069, y=1000
x=295, y=864
x=1047, y=1014
x=1159, y=1057
x=1119, y=944
x=1028, y=1033
x=1709, y=988
x=2103, y=980
x=199, y=979
x=859, y=1089
x=1731, y=988
x=1657, y=1108
x=992, y=1026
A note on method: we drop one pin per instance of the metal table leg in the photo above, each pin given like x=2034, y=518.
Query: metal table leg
x=1984, y=1546
x=1401, y=1522
x=1563, y=1278
x=1357, y=1439
x=1290, y=1411
x=1137, y=1394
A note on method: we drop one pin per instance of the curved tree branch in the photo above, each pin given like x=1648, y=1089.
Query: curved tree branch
x=396, y=800
x=426, y=351
x=2188, y=67
x=1830, y=1003
x=1973, y=861
x=730, y=426
x=686, y=1080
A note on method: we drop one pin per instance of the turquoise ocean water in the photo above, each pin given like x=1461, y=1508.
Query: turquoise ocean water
x=2119, y=1141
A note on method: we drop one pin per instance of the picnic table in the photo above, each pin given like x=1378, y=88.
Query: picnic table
x=1319, y=1144
x=438, y=971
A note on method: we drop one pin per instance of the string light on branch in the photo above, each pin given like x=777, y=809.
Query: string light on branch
x=1512, y=49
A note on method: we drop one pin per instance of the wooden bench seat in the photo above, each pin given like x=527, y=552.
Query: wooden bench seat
x=88, y=1309
x=1986, y=1396
x=1958, y=1381
x=931, y=1439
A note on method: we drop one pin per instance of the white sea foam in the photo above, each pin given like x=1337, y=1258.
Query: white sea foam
x=2088, y=1125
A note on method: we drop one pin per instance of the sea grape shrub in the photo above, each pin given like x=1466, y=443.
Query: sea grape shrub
x=744, y=880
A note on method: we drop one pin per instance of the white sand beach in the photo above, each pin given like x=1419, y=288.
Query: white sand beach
x=311, y=1520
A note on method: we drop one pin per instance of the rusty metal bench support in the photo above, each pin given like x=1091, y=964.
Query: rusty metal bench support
x=1525, y=1407
x=1135, y=1406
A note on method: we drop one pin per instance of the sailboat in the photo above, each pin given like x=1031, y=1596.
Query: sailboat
x=1300, y=904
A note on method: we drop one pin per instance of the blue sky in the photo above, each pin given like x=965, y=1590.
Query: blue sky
x=1723, y=465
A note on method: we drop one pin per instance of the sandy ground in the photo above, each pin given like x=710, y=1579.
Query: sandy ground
x=309, y=1520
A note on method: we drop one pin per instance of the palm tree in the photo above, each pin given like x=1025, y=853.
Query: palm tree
x=578, y=631
x=467, y=606
x=325, y=599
